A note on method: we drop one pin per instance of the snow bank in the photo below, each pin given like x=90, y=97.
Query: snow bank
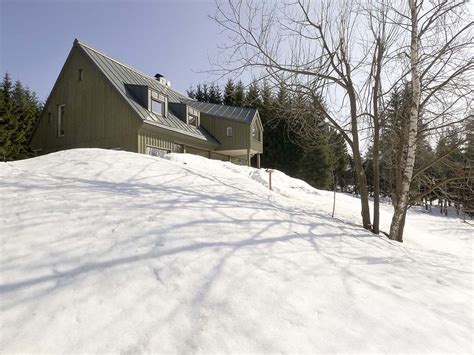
x=106, y=251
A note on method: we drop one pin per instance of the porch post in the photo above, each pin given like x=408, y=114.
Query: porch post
x=248, y=157
x=258, y=161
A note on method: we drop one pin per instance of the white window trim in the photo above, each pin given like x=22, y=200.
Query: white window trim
x=60, y=118
x=158, y=97
x=198, y=120
x=229, y=132
x=163, y=107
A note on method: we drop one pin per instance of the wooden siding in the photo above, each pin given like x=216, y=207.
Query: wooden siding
x=153, y=136
x=255, y=145
x=217, y=126
x=96, y=115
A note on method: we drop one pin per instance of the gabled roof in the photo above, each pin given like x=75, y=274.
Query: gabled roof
x=241, y=114
x=120, y=74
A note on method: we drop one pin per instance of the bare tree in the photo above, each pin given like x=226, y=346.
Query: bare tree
x=318, y=49
x=441, y=68
x=353, y=54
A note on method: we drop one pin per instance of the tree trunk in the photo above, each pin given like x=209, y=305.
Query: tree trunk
x=360, y=173
x=376, y=167
x=398, y=220
x=334, y=195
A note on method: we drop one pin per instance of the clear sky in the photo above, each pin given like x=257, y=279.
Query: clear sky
x=174, y=38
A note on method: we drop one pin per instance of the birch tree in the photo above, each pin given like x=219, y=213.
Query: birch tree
x=317, y=49
x=441, y=73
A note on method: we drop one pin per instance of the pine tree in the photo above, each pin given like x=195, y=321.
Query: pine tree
x=191, y=93
x=215, y=95
x=202, y=94
x=252, y=97
x=239, y=94
x=19, y=111
x=229, y=93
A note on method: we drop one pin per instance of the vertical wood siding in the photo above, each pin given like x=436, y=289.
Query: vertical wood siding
x=96, y=116
x=152, y=136
x=218, y=128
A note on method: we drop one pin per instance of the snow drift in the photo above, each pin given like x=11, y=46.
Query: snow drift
x=107, y=251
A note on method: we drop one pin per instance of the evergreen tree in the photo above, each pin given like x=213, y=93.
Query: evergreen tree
x=202, y=94
x=252, y=97
x=19, y=111
x=191, y=93
x=229, y=93
x=215, y=95
x=239, y=94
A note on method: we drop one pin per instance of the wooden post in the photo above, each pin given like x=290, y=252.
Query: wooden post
x=248, y=157
x=269, y=171
x=258, y=161
x=184, y=148
x=209, y=154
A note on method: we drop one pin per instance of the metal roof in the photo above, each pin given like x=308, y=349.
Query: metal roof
x=241, y=114
x=120, y=74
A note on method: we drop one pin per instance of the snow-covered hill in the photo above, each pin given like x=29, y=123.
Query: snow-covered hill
x=107, y=251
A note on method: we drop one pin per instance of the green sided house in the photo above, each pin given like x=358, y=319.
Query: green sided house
x=98, y=102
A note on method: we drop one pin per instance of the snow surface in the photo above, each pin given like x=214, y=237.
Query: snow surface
x=107, y=251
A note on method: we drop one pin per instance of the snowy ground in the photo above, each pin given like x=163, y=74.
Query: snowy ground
x=113, y=251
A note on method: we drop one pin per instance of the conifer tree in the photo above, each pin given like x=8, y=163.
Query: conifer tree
x=19, y=111
x=215, y=95
x=239, y=94
x=252, y=97
x=202, y=94
x=229, y=93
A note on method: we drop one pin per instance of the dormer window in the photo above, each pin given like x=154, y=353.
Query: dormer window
x=193, y=120
x=158, y=107
x=159, y=104
x=193, y=117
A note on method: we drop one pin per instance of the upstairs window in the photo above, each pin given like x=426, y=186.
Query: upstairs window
x=229, y=131
x=158, y=107
x=61, y=120
x=80, y=75
x=159, y=103
x=193, y=120
x=255, y=132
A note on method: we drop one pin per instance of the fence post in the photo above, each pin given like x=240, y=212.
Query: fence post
x=269, y=171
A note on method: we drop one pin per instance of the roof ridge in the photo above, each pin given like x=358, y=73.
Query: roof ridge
x=222, y=105
x=76, y=41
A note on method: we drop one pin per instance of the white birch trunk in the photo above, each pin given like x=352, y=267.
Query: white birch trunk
x=398, y=219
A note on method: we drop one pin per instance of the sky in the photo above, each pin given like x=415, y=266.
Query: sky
x=174, y=38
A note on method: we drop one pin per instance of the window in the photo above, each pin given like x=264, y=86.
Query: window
x=159, y=103
x=255, y=132
x=158, y=107
x=50, y=117
x=61, y=120
x=156, y=152
x=193, y=120
x=80, y=75
x=229, y=131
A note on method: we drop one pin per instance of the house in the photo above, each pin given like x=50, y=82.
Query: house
x=99, y=102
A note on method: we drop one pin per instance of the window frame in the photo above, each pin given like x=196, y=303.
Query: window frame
x=196, y=117
x=158, y=97
x=256, y=132
x=231, y=130
x=162, y=113
x=60, y=122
